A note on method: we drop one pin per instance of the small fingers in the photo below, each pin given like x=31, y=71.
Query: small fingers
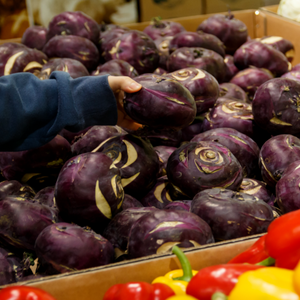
x=123, y=83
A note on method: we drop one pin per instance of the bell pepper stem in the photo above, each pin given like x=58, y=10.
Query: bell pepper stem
x=267, y=262
x=219, y=296
x=185, y=265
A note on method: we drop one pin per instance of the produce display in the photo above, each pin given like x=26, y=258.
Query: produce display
x=250, y=275
x=214, y=156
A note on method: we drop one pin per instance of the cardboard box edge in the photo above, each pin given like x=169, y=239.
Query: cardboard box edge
x=154, y=257
x=93, y=283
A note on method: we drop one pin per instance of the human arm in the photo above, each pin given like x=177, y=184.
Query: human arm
x=33, y=111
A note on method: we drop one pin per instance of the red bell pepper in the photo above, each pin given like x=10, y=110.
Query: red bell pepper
x=253, y=255
x=138, y=291
x=283, y=240
x=220, y=278
x=24, y=293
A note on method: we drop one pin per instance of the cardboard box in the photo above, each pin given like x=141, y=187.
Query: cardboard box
x=270, y=8
x=179, y=8
x=91, y=284
x=14, y=18
x=216, y=6
x=260, y=23
x=281, y=26
x=169, y=8
x=250, y=17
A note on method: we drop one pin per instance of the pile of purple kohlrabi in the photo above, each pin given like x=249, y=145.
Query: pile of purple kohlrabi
x=214, y=153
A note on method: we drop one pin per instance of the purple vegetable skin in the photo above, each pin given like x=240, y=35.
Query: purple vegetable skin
x=276, y=154
x=177, y=194
x=74, y=23
x=117, y=231
x=231, y=68
x=160, y=71
x=257, y=189
x=158, y=231
x=179, y=205
x=162, y=45
x=281, y=44
x=34, y=37
x=159, y=195
x=117, y=67
x=72, y=66
x=292, y=75
x=231, y=31
x=197, y=166
x=161, y=103
x=16, y=58
x=276, y=107
x=163, y=153
x=15, y=188
x=230, y=113
x=112, y=31
x=135, y=47
x=241, y=146
x=49, y=157
x=130, y=202
x=228, y=89
x=232, y=214
x=94, y=137
x=190, y=131
x=69, y=247
x=22, y=221
x=224, y=99
x=287, y=188
x=11, y=267
x=88, y=190
x=202, y=85
x=197, y=39
x=75, y=47
x=197, y=57
x=160, y=136
x=251, y=79
x=136, y=160
x=257, y=54
x=296, y=68
x=72, y=137
x=46, y=196
x=163, y=28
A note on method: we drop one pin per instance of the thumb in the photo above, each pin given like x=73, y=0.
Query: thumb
x=123, y=83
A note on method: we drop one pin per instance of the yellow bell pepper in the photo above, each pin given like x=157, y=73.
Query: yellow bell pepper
x=296, y=278
x=178, y=280
x=181, y=297
x=178, y=286
x=264, y=284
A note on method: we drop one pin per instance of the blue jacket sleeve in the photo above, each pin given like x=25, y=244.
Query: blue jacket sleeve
x=33, y=111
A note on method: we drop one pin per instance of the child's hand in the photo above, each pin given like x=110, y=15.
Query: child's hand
x=119, y=85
